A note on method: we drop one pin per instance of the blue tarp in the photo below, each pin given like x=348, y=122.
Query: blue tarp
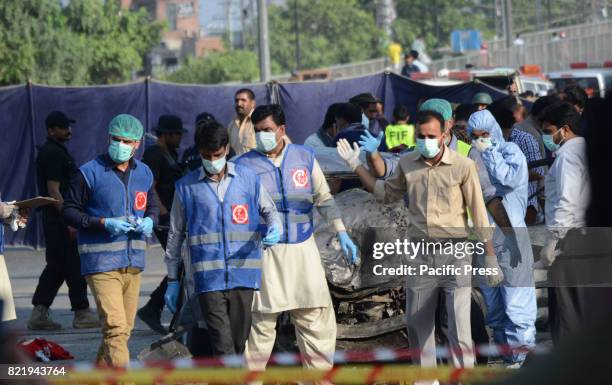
x=23, y=110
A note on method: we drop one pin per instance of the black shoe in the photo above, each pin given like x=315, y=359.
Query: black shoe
x=151, y=315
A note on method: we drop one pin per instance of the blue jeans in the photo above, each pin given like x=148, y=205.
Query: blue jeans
x=511, y=313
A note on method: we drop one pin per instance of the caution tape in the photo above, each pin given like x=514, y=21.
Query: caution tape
x=341, y=357
x=362, y=374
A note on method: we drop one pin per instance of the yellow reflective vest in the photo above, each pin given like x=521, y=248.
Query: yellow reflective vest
x=398, y=134
x=463, y=148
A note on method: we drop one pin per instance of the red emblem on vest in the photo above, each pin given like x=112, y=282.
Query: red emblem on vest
x=300, y=177
x=140, y=201
x=240, y=214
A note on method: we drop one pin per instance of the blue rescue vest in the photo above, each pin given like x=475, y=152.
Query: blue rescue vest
x=224, y=238
x=290, y=186
x=101, y=251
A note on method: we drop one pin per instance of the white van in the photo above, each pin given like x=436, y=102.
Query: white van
x=595, y=81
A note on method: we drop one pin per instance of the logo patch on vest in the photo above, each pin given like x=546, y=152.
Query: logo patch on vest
x=240, y=214
x=300, y=177
x=140, y=201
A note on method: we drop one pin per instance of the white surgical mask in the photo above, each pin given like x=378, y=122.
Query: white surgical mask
x=482, y=143
x=365, y=121
x=266, y=141
x=214, y=166
x=429, y=148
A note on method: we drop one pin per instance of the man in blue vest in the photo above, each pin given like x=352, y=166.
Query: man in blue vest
x=293, y=279
x=112, y=203
x=219, y=205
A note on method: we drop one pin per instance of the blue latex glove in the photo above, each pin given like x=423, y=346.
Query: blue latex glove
x=272, y=236
x=347, y=244
x=117, y=226
x=145, y=227
x=370, y=143
x=171, y=296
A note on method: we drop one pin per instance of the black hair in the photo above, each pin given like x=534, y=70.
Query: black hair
x=247, y=91
x=464, y=111
x=541, y=103
x=503, y=113
x=262, y=112
x=211, y=136
x=527, y=94
x=574, y=95
x=414, y=54
x=427, y=116
x=589, y=117
x=349, y=112
x=510, y=102
x=330, y=115
x=400, y=113
x=562, y=114
x=204, y=116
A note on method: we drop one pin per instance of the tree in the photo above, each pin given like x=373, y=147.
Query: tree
x=331, y=32
x=237, y=65
x=436, y=19
x=84, y=42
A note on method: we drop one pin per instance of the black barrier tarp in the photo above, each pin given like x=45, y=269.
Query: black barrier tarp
x=23, y=110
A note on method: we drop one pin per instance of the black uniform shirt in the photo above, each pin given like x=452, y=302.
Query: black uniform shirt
x=54, y=163
x=166, y=171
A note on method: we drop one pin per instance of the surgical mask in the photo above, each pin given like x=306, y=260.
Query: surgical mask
x=365, y=121
x=214, y=166
x=119, y=152
x=429, y=148
x=266, y=141
x=549, y=142
x=482, y=143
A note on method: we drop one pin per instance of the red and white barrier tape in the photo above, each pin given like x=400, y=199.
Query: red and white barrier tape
x=338, y=358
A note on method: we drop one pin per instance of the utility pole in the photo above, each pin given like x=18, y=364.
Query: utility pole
x=228, y=15
x=385, y=14
x=508, y=22
x=264, y=48
x=538, y=9
x=497, y=12
x=297, y=36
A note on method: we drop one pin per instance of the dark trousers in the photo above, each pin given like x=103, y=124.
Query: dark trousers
x=572, y=310
x=63, y=264
x=581, y=280
x=228, y=317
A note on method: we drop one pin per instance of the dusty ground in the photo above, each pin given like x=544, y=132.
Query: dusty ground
x=25, y=267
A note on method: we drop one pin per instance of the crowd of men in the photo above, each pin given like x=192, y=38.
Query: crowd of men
x=242, y=198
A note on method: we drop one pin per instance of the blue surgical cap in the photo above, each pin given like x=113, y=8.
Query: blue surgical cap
x=484, y=121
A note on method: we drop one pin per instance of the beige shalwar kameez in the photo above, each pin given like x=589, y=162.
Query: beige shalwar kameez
x=293, y=280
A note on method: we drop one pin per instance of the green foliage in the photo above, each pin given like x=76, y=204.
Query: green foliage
x=436, y=19
x=562, y=12
x=85, y=42
x=238, y=65
x=331, y=32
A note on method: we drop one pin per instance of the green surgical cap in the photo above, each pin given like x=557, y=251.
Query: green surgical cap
x=482, y=98
x=126, y=126
x=440, y=106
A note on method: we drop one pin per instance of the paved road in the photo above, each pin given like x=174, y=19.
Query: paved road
x=24, y=268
